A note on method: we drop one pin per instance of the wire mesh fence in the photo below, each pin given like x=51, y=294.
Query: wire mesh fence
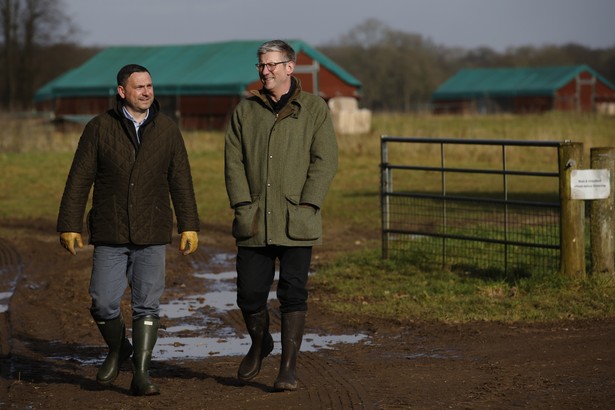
x=469, y=235
x=482, y=230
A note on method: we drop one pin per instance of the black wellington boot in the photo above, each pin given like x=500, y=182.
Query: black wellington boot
x=120, y=349
x=257, y=325
x=144, y=336
x=292, y=335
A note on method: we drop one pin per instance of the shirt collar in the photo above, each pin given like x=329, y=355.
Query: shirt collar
x=131, y=118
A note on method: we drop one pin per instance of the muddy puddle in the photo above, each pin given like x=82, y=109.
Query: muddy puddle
x=8, y=280
x=197, y=322
x=199, y=329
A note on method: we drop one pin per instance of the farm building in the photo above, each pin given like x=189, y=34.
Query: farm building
x=197, y=84
x=525, y=90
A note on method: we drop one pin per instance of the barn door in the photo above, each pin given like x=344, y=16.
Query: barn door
x=586, y=84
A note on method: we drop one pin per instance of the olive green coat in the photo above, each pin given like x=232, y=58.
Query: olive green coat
x=275, y=163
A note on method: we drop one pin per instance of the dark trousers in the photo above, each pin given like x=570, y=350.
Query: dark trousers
x=256, y=271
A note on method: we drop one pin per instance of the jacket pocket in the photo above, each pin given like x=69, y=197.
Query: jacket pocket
x=245, y=223
x=304, y=222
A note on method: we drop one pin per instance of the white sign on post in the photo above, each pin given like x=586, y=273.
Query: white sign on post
x=590, y=184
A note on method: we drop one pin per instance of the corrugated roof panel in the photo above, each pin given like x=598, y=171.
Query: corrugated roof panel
x=224, y=68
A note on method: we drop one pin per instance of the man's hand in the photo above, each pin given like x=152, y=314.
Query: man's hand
x=189, y=242
x=67, y=239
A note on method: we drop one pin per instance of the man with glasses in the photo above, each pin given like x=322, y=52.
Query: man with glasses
x=280, y=159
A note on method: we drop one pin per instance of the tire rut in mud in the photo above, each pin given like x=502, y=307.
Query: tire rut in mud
x=323, y=383
x=327, y=385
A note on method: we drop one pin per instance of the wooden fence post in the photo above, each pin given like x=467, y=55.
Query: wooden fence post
x=601, y=215
x=572, y=213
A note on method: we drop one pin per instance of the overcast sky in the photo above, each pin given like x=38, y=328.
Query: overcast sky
x=497, y=24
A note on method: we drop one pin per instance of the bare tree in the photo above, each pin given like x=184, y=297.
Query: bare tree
x=398, y=70
x=9, y=9
x=27, y=27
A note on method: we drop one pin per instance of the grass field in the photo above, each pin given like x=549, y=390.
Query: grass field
x=34, y=160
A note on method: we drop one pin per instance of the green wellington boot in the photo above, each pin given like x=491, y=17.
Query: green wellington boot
x=292, y=335
x=144, y=336
x=257, y=325
x=120, y=349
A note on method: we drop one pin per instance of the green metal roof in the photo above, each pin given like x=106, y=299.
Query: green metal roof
x=510, y=82
x=224, y=68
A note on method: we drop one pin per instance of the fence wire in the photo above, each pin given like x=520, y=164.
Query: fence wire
x=470, y=235
x=477, y=235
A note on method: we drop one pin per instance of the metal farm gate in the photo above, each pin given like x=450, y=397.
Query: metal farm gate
x=447, y=206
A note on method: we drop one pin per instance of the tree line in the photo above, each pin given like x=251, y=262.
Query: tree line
x=399, y=70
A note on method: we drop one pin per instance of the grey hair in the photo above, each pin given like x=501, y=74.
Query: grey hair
x=277, y=46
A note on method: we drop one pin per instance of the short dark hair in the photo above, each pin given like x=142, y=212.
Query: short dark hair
x=279, y=46
x=127, y=70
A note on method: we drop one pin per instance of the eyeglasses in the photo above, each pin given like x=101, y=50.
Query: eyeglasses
x=270, y=66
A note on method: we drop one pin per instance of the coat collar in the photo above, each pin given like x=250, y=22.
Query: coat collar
x=293, y=99
x=154, y=109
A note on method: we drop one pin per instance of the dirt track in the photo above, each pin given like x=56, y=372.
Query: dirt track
x=47, y=326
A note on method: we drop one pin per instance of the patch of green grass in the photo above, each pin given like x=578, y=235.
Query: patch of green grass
x=363, y=285
x=32, y=183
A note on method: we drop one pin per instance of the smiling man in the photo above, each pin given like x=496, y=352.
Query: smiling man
x=280, y=159
x=135, y=158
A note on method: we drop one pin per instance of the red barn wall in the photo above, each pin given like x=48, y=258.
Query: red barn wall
x=329, y=84
x=604, y=93
x=205, y=111
x=81, y=105
x=531, y=104
x=582, y=94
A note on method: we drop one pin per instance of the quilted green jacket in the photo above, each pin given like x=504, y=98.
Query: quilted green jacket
x=133, y=183
x=275, y=163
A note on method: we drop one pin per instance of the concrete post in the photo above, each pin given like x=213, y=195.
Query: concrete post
x=572, y=213
x=601, y=215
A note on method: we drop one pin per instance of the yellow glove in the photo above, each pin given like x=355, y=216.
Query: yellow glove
x=189, y=242
x=67, y=239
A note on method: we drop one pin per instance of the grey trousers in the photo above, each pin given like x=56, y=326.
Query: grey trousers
x=114, y=268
